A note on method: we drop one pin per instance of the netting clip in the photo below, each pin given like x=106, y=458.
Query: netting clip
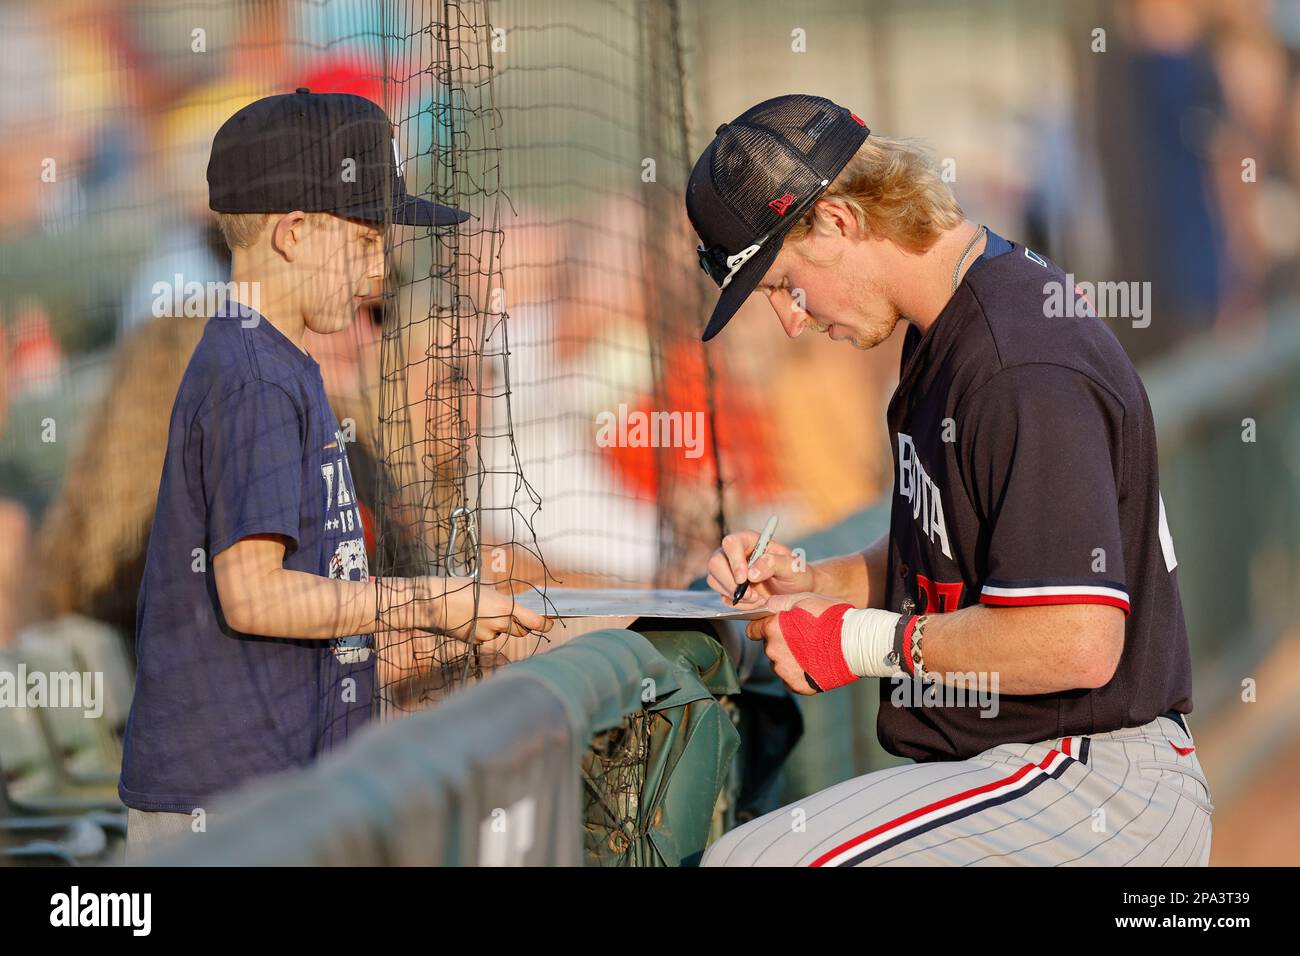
x=470, y=564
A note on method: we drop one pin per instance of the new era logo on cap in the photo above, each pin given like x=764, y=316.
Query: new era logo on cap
x=758, y=177
x=783, y=203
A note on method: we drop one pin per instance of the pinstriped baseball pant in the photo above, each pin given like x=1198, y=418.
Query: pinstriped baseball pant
x=1133, y=797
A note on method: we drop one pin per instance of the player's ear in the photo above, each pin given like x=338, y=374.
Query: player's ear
x=838, y=217
x=288, y=233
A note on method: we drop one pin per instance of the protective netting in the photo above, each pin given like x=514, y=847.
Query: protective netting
x=444, y=376
x=528, y=402
x=545, y=405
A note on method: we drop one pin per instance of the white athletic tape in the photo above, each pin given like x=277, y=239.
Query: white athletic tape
x=867, y=639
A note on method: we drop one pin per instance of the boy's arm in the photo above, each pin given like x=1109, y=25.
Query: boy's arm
x=251, y=471
x=259, y=595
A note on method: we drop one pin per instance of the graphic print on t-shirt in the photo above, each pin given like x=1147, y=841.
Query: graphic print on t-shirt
x=343, y=518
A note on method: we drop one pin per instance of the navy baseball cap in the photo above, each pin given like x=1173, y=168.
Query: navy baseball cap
x=318, y=152
x=760, y=175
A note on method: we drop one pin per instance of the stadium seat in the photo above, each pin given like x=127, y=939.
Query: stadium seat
x=55, y=841
x=59, y=830
x=86, y=752
x=101, y=649
x=32, y=778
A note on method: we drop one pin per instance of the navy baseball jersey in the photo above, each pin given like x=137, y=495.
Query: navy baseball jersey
x=253, y=448
x=1026, y=474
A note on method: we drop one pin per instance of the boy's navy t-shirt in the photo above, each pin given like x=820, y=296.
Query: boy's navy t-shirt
x=253, y=448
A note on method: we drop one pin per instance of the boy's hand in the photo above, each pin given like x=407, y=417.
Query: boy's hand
x=498, y=613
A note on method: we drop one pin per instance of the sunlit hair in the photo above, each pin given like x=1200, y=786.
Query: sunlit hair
x=895, y=191
x=242, y=229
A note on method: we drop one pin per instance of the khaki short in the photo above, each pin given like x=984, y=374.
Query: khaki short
x=147, y=831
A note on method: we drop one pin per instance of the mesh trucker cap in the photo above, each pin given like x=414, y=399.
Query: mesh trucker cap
x=758, y=177
x=318, y=152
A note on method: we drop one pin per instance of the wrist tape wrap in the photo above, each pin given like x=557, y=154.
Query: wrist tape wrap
x=817, y=645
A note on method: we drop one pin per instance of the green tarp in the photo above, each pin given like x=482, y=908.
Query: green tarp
x=651, y=799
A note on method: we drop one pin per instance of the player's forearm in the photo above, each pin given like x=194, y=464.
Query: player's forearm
x=1032, y=650
x=857, y=578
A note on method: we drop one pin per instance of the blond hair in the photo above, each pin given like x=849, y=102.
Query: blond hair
x=92, y=539
x=242, y=229
x=895, y=191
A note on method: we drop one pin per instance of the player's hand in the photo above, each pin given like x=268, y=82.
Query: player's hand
x=768, y=630
x=774, y=573
x=498, y=613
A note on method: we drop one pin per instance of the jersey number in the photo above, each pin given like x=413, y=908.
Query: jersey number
x=941, y=597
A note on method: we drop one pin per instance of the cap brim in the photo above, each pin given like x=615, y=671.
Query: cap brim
x=741, y=287
x=413, y=211
x=409, y=211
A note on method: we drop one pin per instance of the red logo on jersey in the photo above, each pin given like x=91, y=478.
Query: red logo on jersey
x=941, y=597
x=783, y=203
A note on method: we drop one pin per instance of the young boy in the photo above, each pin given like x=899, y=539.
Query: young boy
x=256, y=606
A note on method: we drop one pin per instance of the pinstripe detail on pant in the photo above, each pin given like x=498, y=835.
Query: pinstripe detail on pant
x=956, y=807
x=1135, y=796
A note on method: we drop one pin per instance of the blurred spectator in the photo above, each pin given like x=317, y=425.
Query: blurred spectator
x=115, y=93
x=91, y=543
x=1260, y=208
x=577, y=316
x=29, y=86
x=189, y=246
x=15, y=531
x=1159, y=105
x=35, y=357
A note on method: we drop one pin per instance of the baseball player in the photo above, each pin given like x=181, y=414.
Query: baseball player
x=1022, y=614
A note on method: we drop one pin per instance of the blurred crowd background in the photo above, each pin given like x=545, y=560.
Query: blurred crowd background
x=1137, y=141
x=1111, y=136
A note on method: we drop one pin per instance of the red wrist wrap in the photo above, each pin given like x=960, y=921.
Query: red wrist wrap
x=908, y=626
x=816, y=644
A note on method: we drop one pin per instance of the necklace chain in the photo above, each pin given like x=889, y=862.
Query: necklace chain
x=965, y=252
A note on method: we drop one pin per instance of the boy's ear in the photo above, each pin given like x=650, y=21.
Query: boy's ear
x=288, y=232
